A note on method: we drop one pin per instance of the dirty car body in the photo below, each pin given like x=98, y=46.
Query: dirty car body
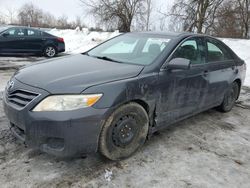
x=172, y=76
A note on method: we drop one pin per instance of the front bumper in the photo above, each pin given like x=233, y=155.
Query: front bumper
x=62, y=134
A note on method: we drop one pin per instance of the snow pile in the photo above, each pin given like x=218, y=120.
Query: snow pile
x=78, y=41
x=242, y=48
x=108, y=175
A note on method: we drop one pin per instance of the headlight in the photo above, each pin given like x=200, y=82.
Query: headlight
x=67, y=102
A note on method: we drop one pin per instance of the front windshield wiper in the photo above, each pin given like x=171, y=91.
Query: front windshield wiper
x=85, y=53
x=107, y=59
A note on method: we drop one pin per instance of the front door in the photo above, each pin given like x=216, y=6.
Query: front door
x=12, y=40
x=182, y=92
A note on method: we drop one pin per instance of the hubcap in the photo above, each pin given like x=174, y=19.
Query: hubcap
x=50, y=51
x=124, y=131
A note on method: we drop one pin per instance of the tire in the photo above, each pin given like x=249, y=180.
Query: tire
x=230, y=98
x=124, y=132
x=50, y=51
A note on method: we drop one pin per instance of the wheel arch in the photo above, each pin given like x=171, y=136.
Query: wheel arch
x=147, y=106
x=238, y=81
x=142, y=103
x=49, y=44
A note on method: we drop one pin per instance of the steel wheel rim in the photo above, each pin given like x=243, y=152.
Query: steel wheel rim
x=124, y=131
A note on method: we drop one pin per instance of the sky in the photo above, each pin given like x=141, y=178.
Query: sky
x=70, y=8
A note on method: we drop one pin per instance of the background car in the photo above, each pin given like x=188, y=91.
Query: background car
x=19, y=40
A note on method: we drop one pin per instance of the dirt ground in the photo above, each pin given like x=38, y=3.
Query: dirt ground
x=211, y=149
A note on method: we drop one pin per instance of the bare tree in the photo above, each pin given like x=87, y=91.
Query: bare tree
x=148, y=13
x=62, y=22
x=116, y=12
x=79, y=22
x=228, y=22
x=30, y=15
x=243, y=6
x=2, y=19
x=195, y=15
x=48, y=20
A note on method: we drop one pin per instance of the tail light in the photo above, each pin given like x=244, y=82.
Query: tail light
x=60, y=39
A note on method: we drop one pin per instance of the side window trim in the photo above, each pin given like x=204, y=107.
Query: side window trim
x=8, y=30
x=14, y=28
x=179, y=45
x=37, y=33
x=214, y=41
x=173, y=51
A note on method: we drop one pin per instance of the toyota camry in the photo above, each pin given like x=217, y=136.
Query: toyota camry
x=113, y=97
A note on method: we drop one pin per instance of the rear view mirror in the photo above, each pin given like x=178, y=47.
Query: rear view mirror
x=179, y=63
x=5, y=34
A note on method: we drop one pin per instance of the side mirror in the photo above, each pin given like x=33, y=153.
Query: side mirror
x=5, y=34
x=179, y=63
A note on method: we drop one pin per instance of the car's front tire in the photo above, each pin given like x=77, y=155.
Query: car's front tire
x=124, y=132
x=230, y=98
x=50, y=51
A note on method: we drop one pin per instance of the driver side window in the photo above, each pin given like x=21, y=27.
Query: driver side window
x=189, y=50
x=15, y=32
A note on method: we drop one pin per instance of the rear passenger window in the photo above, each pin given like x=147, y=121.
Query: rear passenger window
x=216, y=52
x=33, y=32
x=45, y=34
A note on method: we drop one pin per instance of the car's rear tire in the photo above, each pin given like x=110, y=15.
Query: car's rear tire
x=124, y=132
x=50, y=51
x=230, y=98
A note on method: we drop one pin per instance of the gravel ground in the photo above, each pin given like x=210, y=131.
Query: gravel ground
x=211, y=149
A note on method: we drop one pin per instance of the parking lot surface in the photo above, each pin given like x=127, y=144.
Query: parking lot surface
x=211, y=149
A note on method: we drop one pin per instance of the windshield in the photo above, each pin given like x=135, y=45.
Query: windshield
x=131, y=48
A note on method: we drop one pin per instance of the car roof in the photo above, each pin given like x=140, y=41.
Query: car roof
x=171, y=34
x=21, y=27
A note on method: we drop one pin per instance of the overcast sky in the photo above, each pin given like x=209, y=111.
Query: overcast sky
x=70, y=8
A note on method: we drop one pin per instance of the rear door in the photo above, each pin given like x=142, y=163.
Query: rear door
x=183, y=92
x=222, y=70
x=33, y=41
x=12, y=40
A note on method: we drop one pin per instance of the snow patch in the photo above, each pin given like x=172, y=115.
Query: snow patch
x=108, y=175
x=79, y=41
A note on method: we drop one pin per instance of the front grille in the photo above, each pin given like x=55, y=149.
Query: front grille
x=20, y=98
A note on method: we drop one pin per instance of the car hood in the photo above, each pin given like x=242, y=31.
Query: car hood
x=75, y=73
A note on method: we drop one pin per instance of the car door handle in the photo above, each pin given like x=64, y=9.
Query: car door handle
x=21, y=38
x=43, y=39
x=205, y=72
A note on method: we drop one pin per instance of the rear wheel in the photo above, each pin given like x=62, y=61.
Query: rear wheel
x=230, y=98
x=50, y=51
x=124, y=132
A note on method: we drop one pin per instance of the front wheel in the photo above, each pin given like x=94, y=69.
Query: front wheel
x=124, y=132
x=50, y=51
x=230, y=98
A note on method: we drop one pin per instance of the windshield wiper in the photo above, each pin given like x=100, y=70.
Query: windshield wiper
x=85, y=53
x=107, y=58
